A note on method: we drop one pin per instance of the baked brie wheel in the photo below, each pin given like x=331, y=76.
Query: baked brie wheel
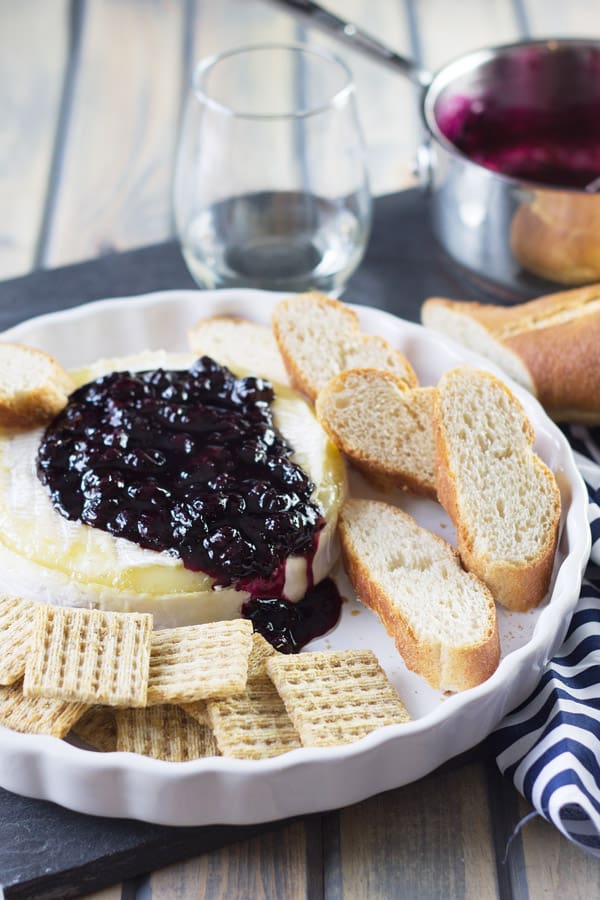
x=46, y=557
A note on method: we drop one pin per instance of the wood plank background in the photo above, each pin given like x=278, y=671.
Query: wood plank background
x=92, y=93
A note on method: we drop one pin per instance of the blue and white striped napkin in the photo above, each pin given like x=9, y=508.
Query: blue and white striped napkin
x=550, y=745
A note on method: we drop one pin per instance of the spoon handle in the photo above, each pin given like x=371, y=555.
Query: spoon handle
x=357, y=38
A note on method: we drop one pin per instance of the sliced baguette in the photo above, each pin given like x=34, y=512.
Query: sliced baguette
x=442, y=619
x=34, y=387
x=319, y=337
x=550, y=345
x=382, y=426
x=227, y=339
x=503, y=500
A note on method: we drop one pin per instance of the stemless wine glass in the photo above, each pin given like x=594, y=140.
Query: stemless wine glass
x=271, y=187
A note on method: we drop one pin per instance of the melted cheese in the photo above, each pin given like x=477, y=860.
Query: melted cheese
x=52, y=559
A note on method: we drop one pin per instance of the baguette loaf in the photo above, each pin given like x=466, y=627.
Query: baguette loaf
x=550, y=345
x=442, y=619
x=34, y=387
x=319, y=337
x=227, y=339
x=503, y=500
x=382, y=426
x=557, y=236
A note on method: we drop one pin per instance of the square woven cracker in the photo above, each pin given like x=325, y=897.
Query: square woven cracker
x=164, y=732
x=89, y=655
x=197, y=710
x=335, y=698
x=253, y=724
x=98, y=728
x=199, y=661
x=260, y=652
x=16, y=635
x=37, y=715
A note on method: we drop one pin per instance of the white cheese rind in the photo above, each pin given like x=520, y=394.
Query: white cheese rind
x=53, y=560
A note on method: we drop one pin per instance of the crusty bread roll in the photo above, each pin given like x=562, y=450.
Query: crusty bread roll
x=34, y=387
x=503, y=500
x=442, y=619
x=318, y=337
x=382, y=426
x=550, y=345
x=557, y=236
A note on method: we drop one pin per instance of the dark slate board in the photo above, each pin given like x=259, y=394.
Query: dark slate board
x=402, y=266
x=50, y=852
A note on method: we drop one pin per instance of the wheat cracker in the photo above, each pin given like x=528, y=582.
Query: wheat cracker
x=253, y=724
x=89, y=655
x=163, y=732
x=16, y=634
x=37, y=715
x=260, y=652
x=98, y=728
x=335, y=697
x=197, y=710
x=199, y=661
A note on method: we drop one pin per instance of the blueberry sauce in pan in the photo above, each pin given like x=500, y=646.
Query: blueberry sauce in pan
x=558, y=147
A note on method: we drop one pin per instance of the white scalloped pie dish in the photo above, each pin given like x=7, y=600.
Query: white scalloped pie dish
x=216, y=790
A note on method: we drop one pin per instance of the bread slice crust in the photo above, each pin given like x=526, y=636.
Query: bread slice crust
x=227, y=339
x=319, y=337
x=34, y=387
x=464, y=471
x=452, y=665
x=550, y=345
x=555, y=236
x=382, y=426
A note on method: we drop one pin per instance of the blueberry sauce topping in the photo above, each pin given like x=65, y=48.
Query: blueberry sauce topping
x=184, y=461
x=289, y=626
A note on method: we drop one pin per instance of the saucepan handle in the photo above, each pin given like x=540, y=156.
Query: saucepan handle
x=357, y=38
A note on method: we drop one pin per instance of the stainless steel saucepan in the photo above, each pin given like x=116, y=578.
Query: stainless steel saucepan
x=510, y=156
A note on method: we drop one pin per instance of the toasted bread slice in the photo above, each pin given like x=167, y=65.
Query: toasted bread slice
x=229, y=339
x=550, y=345
x=34, y=387
x=382, y=426
x=442, y=619
x=503, y=500
x=479, y=327
x=319, y=337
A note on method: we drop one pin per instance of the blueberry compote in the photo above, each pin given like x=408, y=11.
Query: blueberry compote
x=188, y=462
x=558, y=147
x=289, y=626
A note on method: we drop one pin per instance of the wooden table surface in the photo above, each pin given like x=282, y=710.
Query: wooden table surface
x=92, y=95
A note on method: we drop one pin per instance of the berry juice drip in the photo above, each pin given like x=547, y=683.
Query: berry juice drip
x=289, y=626
x=188, y=462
